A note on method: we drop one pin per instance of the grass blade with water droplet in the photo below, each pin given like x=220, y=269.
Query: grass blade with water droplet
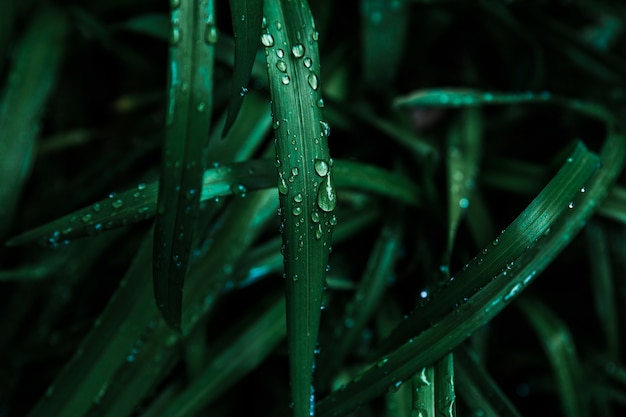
x=559, y=346
x=246, y=16
x=184, y=151
x=37, y=59
x=305, y=181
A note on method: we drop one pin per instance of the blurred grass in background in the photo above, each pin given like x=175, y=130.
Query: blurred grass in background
x=450, y=237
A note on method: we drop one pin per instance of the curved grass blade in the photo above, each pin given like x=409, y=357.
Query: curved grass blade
x=246, y=16
x=184, y=151
x=384, y=26
x=481, y=393
x=559, y=346
x=305, y=181
x=494, y=282
x=139, y=203
x=37, y=58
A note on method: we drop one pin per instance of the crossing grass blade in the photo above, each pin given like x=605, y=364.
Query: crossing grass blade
x=139, y=203
x=32, y=76
x=246, y=16
x=184, y=151
x=485, y=286
x=305, y=181
x=559, y=346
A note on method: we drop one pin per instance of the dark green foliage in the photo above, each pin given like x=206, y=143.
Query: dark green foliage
x=456, y=246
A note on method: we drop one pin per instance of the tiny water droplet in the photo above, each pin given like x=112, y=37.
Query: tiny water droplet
x=463, y=203
x=326, y=195
x=117, y=203
x=282, y=184
x=320, y=103
x=313, y=81
x=297, y=211
x=280, y=53
x=321, y=167
x=319, y=232
x=297, y=50
x=278, y=25
x=239, y=190
x=308, y=62
x=570, y=205
x=382, y=362
x=175, y=34
x=267, y=39
x=86, y=217
x=243, y=91
x=210, y=34
x=201, y=106
x=297, y=198
x=295, y=277
x=276, y=125
x=141, y=186
x=281, y=65
x=294, y=171
x=97, y=207
x=315, y=217
x=325, y=128
x=285, y=79
x=495, y=242
x=582, y=190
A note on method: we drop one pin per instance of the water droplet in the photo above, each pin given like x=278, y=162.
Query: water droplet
x=276, y=125
x=285, y=79
x=239, y=190
x=86, y=217
x=570, y=205
x=141, y=186
x=308, y=62
x=210, y=34
x=582, y=190
x=297, y=198
x=175, y=34
x=297, y=50
x=201, y=106
x=278, y=25
x=463, y=203
x=382, y=362
x=267, y=39
x=280, y=64
x=97, y=207
x=333, y=220
x=495, y=242
x=294, y=171
x=295, y=277
x=319, y=232
x=315, y=35
x=313, y=81
x=282, y=184
x=326, y=195
x=297, y=211
x=315, y=217
x=117, y=203
x=325, y=128
x=243, y=91
x=280, y=53
x=320, y=103
x=321, y=167
x=142, y=210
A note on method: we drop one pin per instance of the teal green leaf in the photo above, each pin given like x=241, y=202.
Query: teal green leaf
x=184, y=151
x=37, y=58
x=246, y=16
x=305, y=181
x=559, y=346
x=493, y=278
x=459, y=97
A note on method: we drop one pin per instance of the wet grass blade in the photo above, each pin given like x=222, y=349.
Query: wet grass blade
x=32, y=76
x=478, y=389
x=433, y=389
x=494, y=277
x=384, y=25
x=559, y=346
x=184, y=151
x=139, y=203
x=305, y=181
x=246, y=16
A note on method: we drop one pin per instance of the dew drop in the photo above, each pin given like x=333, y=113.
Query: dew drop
x=238, y=189
x=267, y=40
x=313, y=81
x=117, y=203
x=463, y=203
x=570, y=205
x=97, y=207
x=175, y=34
x=210, y=34
x=297, y=50
x=326, y=195
x=295, y=277
x=141, y=186
x=243, y=91
x=297, y=211
x=86, y=217
x=280, y=64
x=276, y=125
x=308, y=62
x=315, y=217
x=495, y=242
x=294, y=171
x=321, y=167
x=382, y=362
x=280, y=53
x=282, y=184
x=297, y=198
x=319, y=232
x=285, y=79
x=201, y=106
x=320, y=103
x=325, y=128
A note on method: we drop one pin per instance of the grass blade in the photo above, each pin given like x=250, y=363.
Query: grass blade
x=305, y=181
x=559, y=346
x=38, y=57
x=246, y=16
x=188, y=119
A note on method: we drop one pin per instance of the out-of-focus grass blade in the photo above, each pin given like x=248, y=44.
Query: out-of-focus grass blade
x=384, y=26
x=37, y=58
x=481, y=393
x=461, y=97
x=559, y=346
x=603, y=288
x=305, y=181
x=493, y=278
x=246, y=16
x=240, y=354
x=464, y=151
x=184, y=151
x=139, y=203
x=7, y=10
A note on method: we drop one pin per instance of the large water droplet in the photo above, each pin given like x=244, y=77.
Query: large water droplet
x=326, y=195
x=321, y=167
x=297, y=50
x=267, y=39
x=313, y=81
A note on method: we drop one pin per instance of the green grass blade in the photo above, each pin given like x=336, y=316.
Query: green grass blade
x=139, y=203
x=384, y=25
x=465, y=97
x=560, y=208
x=305, y=181
x=559, y=346
x=188, y=120
x=32, y=75
x=246, y=16
x=478, y=389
